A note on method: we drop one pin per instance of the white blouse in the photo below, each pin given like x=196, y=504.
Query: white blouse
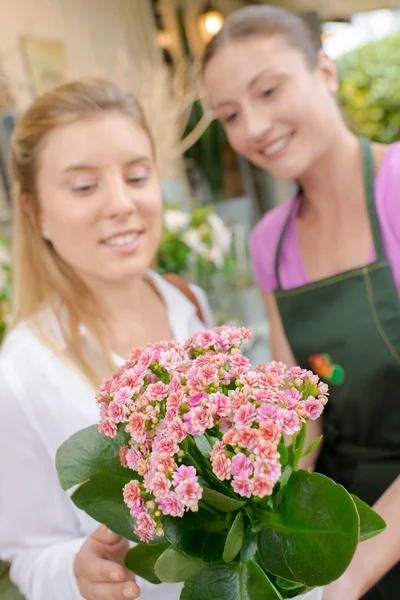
x=43, y=401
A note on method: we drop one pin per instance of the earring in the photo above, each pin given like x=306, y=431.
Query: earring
x=45, y=233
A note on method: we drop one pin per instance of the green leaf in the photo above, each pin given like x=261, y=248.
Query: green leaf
x=283, y=584
x=246, y=581
x=196, y=535
x=371, y=524
x=259, y=586
x=312, y=446
x=234, y=540
x=203, y=445
x=86, y=453
x=249, y=546
x=173, y=566
x=221, y=502
x=284, y=454
x=101, y=498
x=142, y=558
x=312, y=537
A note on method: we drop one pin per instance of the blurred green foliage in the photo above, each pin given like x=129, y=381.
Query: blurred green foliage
x=369, y=90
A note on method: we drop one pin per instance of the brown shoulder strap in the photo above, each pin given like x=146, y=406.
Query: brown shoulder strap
x=183, y=287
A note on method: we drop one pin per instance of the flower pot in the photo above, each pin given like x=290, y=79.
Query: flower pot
x=313, y=595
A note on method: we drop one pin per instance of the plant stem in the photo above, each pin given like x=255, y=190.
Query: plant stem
x=299, y=446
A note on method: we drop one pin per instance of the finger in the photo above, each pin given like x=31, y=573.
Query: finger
x=103, y=535
x=114, y=591
x=99, y=570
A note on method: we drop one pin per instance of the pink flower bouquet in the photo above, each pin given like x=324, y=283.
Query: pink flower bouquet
x=189, y=461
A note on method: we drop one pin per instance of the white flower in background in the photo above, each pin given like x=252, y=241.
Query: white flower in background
x=222, y=236
x=175, y=220
x=192, y=238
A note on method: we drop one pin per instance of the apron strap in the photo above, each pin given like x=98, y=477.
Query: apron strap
x=368, y=174
x=279, y=247
x=368, y=171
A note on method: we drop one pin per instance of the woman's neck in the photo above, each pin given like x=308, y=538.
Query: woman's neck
x=114, y=300
x=333, y=180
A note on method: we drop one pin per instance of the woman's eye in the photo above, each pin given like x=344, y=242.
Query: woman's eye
x=138, y=178
x=269, y=91
x=84, y=188
x=230, y=118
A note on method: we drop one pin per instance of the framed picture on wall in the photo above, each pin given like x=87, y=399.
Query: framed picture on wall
x=47, y=62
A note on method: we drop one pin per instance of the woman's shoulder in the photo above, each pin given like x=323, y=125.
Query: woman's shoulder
x=270, y=226
x=263, y=244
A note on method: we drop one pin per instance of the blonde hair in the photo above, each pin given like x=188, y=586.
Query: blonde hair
x=40, y=276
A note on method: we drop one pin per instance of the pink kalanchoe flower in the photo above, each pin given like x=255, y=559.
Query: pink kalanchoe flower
x=267, y=412
x=142, y=466
x=313, y=408
x=117, y=412
x=136, y=427
x=268, y=381
x=266, y=451
x=175, y=399
x=221, y=466
x=146, y=357
x=245, y=415
x=137, y=508
x=189, y=492
x=261, y=486
x=250, y=379
x=197, y=384
x=196, y=400
x=241, y=486
x=132, y=457
x=272, y=470
x=218, y=448
x=241, y=466
x=184, y=473
x=165, y=463
x=108, y=428
x=166, y=446
x=103, y=410
x=209, y=373
x=145, y=527
x=290, y=421
x=171, y=505
x=177, y=430
x=131, y=493
x=160, y=485
x=229, y=437
x=171, y=415
x=123, y=394
x=169, y=359
x=220, y=405
x=239, y=365
x=122, y=455
x=198, y=420
x=269, y=432
x=322, y=388
x=158, y=391
x=247, y=438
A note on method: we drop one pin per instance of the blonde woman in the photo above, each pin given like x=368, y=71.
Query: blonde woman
x=88, y=214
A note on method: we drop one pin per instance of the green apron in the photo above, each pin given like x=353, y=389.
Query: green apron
x=346, y=328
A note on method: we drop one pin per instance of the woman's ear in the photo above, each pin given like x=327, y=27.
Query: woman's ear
x=328, y=70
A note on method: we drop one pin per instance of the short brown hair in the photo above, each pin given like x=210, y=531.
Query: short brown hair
x=266, y=21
